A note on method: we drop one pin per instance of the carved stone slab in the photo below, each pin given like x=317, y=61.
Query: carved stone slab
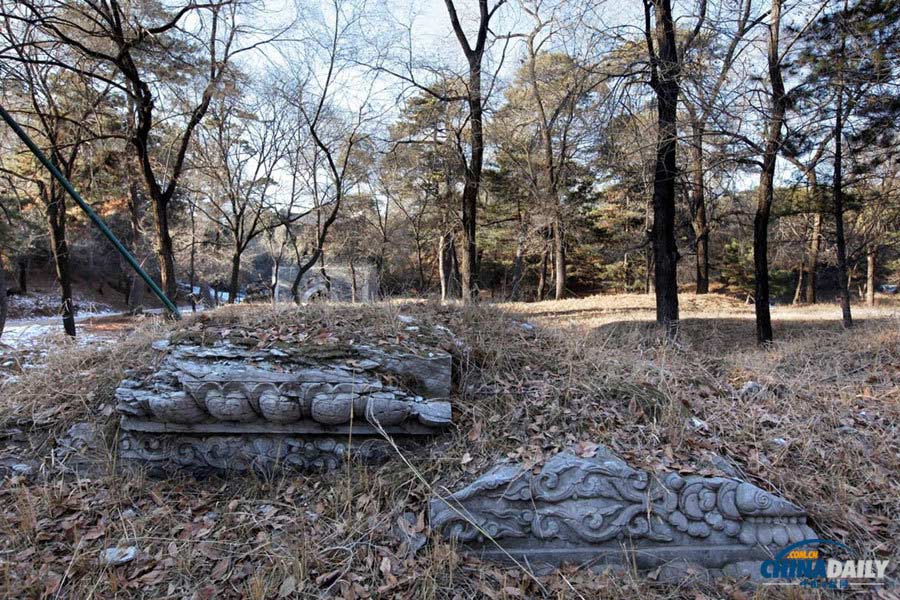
x=226, y=406
x=598, y=512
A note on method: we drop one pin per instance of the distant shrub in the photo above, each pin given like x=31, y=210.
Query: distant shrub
x=737, y=272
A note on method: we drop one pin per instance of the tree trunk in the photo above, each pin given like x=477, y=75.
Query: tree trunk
x=443, y=267
x=542, y=276
x=164, y=250
x=352, y=281
x=234, y=283
x=801, y=281
x=4, y=299
x=276, y=267
x=843, y=280
x=23, y=276
x=136, y=294
x=559, y=255
x=871, y=257
x=420, y=267
x=766, y=189
x=192, y=270
x=208, y=295
x=698, y=208
x=664, y=248
x=815, y=246
x=468, y=264
x=136, y=287
x=448, y=267
x=56, y=219
x=518, y=269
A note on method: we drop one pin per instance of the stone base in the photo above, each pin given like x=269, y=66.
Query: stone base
x=666, y=563
x=261, y=453
x=242, y=404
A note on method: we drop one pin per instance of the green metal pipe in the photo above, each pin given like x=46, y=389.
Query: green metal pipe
x=90, y=212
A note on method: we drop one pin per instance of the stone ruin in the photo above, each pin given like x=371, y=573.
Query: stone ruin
x=230, y=407
x=233, y=404
x=599, y=512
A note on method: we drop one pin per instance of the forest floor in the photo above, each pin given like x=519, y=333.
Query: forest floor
x=821, y=430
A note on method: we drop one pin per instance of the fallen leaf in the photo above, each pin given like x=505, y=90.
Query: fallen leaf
x=220, y=571
x=288, y=587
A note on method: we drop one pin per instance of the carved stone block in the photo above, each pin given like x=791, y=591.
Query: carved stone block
x=231, y=407
x=599, y=512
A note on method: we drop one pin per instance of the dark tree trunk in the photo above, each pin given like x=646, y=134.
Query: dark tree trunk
x=324, y=273
x=165, y=253
x=302, y=269
x=871, y=258
x=56, y=220
x=760, y=256
x=295, y=287
x=664, y=248
x=23, y=275
x=698, y=208
x=648, y=252
x=420, y=267
x=4, y=299
x=767, y=181
x=843, y=280
x=234, y=282
x=468, y=266
x=474, y=54
x=136, y=287
x=559, y=256
x=192, y=268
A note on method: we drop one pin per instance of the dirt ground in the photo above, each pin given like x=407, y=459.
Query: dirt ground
x=534, y=379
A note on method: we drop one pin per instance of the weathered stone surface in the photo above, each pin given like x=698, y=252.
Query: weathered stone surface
x=247, y=452
x=234, y=407
x=598, y=511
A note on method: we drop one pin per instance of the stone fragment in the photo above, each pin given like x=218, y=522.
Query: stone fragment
x=81, y=436
x=599, y=512
x=239, y=407
x=407, y=532
x=751, y=388
x=119, y=556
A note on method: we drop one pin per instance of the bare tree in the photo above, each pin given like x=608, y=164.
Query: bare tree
x=326, y=159
x=766, y=190
x=238, y=152
x=543, y=128
x=665, y=69
x=474, y=54
x=61, y=109
x=136, y=41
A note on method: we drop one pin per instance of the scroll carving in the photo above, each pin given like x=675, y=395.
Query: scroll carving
x=314, y=397
x=585, y=509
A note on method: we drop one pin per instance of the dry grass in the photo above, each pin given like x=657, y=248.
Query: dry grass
x=821, y=432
